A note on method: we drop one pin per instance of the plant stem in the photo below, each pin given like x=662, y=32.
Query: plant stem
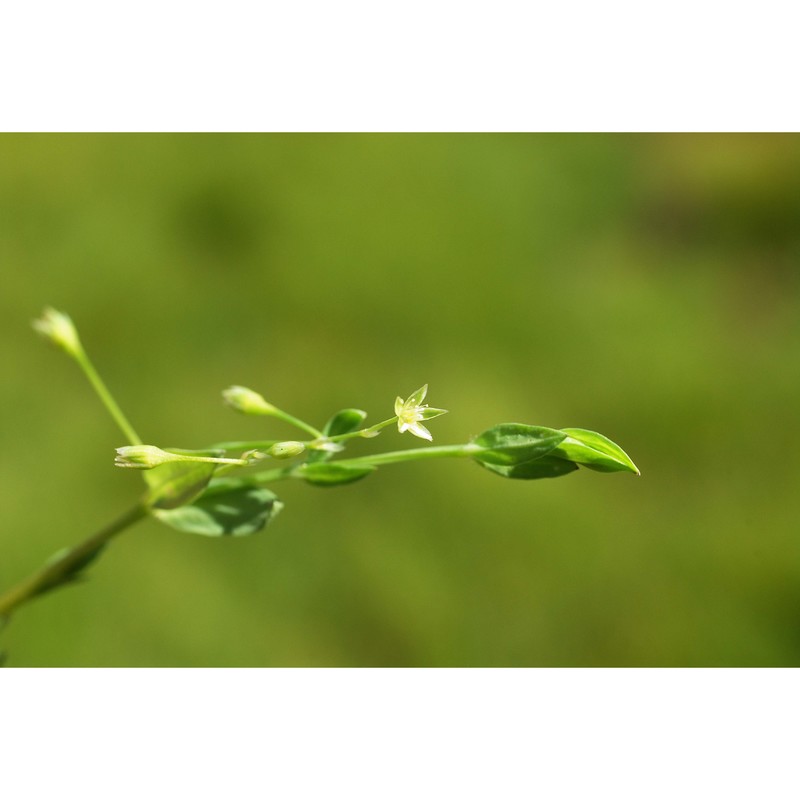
x=261, y=444
x=64, y=567
x=105, y=396
x=239, y=462
x=267, y=443
x=379, y=459
x=298, y=423
x=416, y=454
x=356, y=434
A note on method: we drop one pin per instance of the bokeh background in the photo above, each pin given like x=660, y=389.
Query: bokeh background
x=645, y=286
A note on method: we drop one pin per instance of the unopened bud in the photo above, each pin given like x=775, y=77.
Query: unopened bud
x=143, y=456
x=59, y=329
x=286, y=449
x=240, y=398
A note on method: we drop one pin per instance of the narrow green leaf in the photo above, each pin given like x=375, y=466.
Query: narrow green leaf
x=345, y=421
x=594, y=451
x=75, y=571
x=514, y=443
x=333, y=474
x=228, y=507
x=175, y=484
x=546, y=467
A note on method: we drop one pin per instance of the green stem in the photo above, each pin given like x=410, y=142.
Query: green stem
x=298, y=423
x=265, y=444
x=239, y=462
x=261, y=444
x=66, y=566
x=417, y=454
x=355, y=434
x=393, y=457
x=105, y=396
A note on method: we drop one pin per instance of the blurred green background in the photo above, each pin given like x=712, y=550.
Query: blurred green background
x=645, y=286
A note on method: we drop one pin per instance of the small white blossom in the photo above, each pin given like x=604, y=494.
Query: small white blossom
x=411, y=412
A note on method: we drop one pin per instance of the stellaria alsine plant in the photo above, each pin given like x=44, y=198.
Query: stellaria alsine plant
x=216, y=491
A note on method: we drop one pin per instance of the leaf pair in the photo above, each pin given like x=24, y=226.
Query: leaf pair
x=187, y=497
x=528, y=452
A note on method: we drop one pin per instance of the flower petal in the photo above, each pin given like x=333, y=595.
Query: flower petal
x=420, y=430
x=398, y=406
x=430, y=413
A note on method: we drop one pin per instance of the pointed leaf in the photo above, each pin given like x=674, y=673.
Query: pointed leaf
x=546, y=467
x=228, y=507
x=177, y=483
x=514, y=443
x=334, y=474
x=73, y=574
x=594, y=451
x=345, y=421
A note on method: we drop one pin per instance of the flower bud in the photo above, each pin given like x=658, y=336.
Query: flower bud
x=143, y=456
x=240, y=398
x=286, y=449
x=59, y=329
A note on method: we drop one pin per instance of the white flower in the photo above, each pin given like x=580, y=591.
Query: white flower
x=411, y=412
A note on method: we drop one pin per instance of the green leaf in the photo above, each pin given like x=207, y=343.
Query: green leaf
x=333, y=474
x=546, y=467
x=345, y=421
x=594, y=451
x=75, y=570
x=228, y=507
x=177, y=483
x=514, y=443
